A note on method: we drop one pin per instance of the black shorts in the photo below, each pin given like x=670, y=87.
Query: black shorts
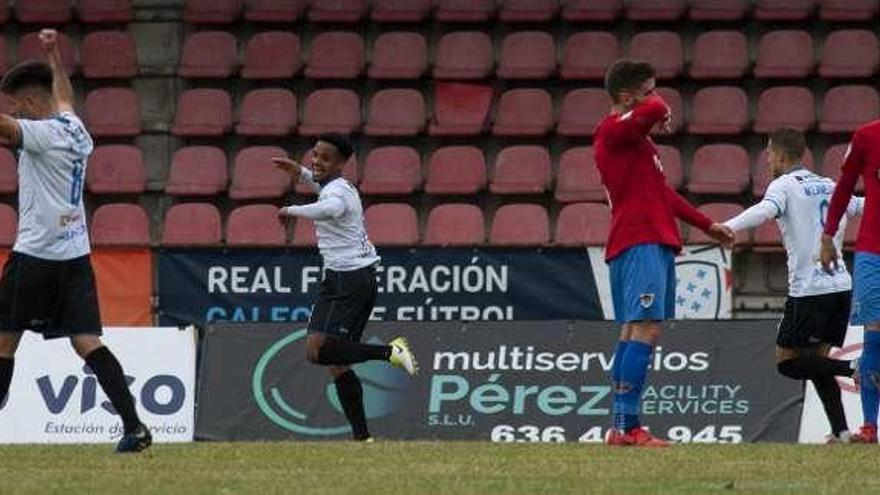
x=812, y=320
x=345, y=303
x=55, y=298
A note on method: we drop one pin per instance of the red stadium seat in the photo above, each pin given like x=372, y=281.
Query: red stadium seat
x=582, y=110
x=120, y=224
x=766, y=238
x=400, y=10
x=527, y=55
x=456, y=170
x=785, y=54
x=523, y=169
x=670, y=158
x=833, y=160
x=847, y=10
x=587, y=55
x=267, y=112
x=464, y=10
x=211, y=11
x=254, y=176
x=396, y=112
x=785, y=106
x=655, y=10
x=463, y=55
x=392, y=170
x=8, y=225
x=455, y=224
x=528, y=10
x=783, y=10
x=42, y=11
x=583, y=224
x=109, y=54
x=718, y=10
x=591, y=10
x=392, y=224
x=460, y=109
x=761, y=177
x=336, y=55
x=197, y=171
x=663, y=49
x=345, y=11
x=30, y=48
x=272, y=55
x=209, y=54
x=719, y=110
x=255, y=225
x=578, y=178
x=349, y=172
x=718, y=212
x=105, y=11
x=113, y=112
x=524, y=112
x=719, y=169
x=850, y=53
x=520, y=225
x=673, y=98
x=304, y=234
x=116, y=169
x=399, y=55
x=331, y=110
x=8, y=172
x=845, y=108
x=278, y=11
x=720, y=55
x=192, y=224
x=203, y=112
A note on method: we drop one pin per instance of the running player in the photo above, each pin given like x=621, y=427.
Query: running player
x=348, y=290
x=818, y=305
x=862, y=159
x=48, y=285
x=644, y=237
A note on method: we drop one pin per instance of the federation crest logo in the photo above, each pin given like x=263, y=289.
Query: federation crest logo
x=698, y=290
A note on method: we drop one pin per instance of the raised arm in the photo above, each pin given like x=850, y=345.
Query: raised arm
x=10, y=131
x=639, y=121
x=297, y=172
x=62, y=90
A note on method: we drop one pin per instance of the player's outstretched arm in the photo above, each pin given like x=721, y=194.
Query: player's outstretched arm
x=297, y=172
x=757, y=214
x=62, y=90
x=324, y=209
x=685, y=211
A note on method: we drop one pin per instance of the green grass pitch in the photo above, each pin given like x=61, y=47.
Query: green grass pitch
x=416, y=468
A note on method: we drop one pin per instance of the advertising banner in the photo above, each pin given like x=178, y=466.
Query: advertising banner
x=125, y=286
x=414, y=285
x=56, y=398
x=500, y=381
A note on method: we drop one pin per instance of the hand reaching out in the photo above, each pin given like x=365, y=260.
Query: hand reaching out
x=723, y=234
x=288, y=166
x=49, y=39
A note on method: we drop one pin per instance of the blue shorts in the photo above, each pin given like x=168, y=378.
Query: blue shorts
x=643, y=283
x=866, y=289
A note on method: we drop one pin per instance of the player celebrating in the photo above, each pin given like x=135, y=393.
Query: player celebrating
x=817, y=309
x=862, y=159
x=348, y=291
x=48, y=285
x=644, y=237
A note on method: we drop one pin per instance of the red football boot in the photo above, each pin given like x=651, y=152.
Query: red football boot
x=866, y=434
x=640, y=437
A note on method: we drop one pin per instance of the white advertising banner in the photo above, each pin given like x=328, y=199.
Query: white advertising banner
x=814, y=423
x=55, y=398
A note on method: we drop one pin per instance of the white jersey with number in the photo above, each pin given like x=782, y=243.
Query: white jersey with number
x=52, y=161
x=799, y=201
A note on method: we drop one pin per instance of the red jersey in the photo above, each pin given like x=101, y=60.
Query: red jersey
x=643, y=205
x=862, y=160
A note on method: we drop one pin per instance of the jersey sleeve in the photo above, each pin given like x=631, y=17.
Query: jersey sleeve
x=324, y=209
x=639, y=121
x=852, y=168
x=773, y=205
x=685, y=211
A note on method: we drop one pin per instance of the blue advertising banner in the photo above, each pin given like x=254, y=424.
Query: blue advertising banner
x=206, y=286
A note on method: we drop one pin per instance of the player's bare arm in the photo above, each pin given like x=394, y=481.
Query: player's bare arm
x=289, y=166
x=62, y=90
x=10, y=131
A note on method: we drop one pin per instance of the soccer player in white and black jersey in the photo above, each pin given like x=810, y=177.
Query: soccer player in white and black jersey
x=817, y=309
x=348, y=291
x=48, y=285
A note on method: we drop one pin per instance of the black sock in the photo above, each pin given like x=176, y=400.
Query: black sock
x=6, y=367
x=343, y=352
x=829, y=393
x=351, y=396
x=112, y=380
x=806, y=367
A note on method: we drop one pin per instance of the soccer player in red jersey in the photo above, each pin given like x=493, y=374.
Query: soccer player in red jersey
x=644, y=237
x=862, y=160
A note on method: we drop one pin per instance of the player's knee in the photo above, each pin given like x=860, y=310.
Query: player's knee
x=313, y=348
x=84, y=345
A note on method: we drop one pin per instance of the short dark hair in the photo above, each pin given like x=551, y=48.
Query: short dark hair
x=626, y=74
x=790, y=142
x=341, y=142
x=30, y=73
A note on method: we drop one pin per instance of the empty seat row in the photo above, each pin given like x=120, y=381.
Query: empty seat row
x=61, y=11
x=102, y=55
x=352, y=11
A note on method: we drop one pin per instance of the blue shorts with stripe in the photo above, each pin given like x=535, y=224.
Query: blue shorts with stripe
x=643, y=283
x=866, y=289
